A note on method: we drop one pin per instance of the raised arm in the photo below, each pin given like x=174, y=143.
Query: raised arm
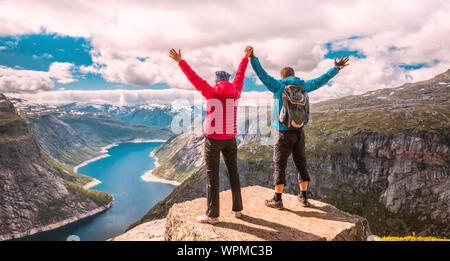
x=271, y=83
x=200, y=84
x=315, y=84
x=238, y=81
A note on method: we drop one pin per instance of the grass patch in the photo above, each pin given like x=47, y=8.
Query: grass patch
x=48, y=212
x=101, y=198
x=64, y=171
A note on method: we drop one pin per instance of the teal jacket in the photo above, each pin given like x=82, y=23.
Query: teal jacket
x=277, y=87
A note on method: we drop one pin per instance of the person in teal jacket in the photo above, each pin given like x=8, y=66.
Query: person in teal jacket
x=290, y=141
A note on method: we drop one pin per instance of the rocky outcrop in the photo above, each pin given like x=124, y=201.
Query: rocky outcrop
x=33, y=196
x=294, y=223
x=149, y=231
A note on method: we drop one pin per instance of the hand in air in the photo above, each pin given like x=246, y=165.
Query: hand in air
x=176, y=56
x=249, y=52
x=341, y=63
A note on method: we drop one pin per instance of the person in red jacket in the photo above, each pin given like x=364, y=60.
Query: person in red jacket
x=220, y=131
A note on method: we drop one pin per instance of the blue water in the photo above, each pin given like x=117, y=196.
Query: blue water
x=120, y=175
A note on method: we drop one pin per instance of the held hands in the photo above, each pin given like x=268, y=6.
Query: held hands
x=341, y=63
x=249, y=52
x=176, y=56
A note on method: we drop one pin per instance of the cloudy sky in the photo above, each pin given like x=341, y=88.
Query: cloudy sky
x=64, y=50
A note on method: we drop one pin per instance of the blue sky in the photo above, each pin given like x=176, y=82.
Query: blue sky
x=39, y=51
x=104, y=45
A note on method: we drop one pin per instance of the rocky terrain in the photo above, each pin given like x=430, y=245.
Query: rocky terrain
x=149, y=231
x=37, y=193
x=383, y=155
x=294, y=223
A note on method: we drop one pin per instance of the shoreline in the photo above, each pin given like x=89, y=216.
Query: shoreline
x=104, y=154
x=149, y=177
x=92, y=183
x=57, y=224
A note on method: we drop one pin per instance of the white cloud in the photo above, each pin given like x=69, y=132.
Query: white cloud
x=12, y=80
x=213, y=34
x=61, y=72
x=45, y=56
x=19, y=80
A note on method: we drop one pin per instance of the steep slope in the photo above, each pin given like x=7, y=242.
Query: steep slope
x=34, y=196
x=175, y=158
x=73, y=139
x=383, y=155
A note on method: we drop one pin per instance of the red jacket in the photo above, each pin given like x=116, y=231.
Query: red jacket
x=221, y=101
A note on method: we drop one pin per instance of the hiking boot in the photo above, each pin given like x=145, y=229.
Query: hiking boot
x=237, y=214
x=272, y=203
x=205, y=219
x=303, y=201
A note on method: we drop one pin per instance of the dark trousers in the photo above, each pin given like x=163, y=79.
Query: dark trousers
x=212, y=158
x=290, y=141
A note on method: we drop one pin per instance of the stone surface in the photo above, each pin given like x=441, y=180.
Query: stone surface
x=149, y=231
x=294, y=223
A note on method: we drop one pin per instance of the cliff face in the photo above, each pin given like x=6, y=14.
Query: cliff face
x=409, y=170
x=33, y=196
x=383, y=155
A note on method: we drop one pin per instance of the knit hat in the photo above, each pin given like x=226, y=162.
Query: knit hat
x=222, y=76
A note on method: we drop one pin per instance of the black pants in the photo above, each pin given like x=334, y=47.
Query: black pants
x=290, y=141
x=212, y=158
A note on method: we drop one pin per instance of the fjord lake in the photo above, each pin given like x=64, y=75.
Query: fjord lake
x=120, y=174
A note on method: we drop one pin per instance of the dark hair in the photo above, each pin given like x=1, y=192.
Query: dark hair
x=287, y=72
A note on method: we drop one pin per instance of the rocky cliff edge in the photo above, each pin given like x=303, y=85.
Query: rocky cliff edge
x=294, y=223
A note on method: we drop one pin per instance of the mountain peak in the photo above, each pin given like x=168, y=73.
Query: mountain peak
x=5, y=105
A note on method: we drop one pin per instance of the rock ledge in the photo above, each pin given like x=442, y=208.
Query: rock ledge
x=294, y=223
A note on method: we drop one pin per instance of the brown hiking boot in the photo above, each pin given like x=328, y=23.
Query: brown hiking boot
x=206, y=219
x=271, y=203
x=304, y=201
